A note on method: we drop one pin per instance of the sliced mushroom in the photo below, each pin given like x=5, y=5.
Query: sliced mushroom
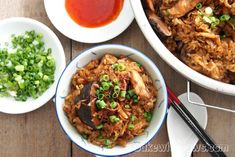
x=85, y=93
x=138, y=84
x=86, y=109
x=156, y=21
x=182, y=7
x=84, y=113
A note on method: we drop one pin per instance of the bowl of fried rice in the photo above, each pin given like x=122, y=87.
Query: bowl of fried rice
x=196, y=38
x=111, y=100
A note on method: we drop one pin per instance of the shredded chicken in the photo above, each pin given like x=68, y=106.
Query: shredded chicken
x=138, y=84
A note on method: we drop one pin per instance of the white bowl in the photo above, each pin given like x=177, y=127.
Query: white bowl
x=173, y=61
x=95, y=53
x=19, y=25
x=61, y=20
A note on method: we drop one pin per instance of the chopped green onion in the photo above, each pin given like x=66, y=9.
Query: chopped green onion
x=100, y=96
x=19, y=68
x=114, y=119
x=138, y=64
x=224, y=17
x=128, y=97
x=215, y=23
x=133, y=117
x=131, y=92
x=208, y=11
x=199, y=5
x=104, y=78
x=27, y=65
x=107, y=142
x=116, y=82
x=135, y=99
x=131, y=127
x=105, y=85
x=100, y=104
x=50, y=63
x=123, y=93
x=206, y=19
x=127, y=106
x=214, y=19
x=115, y=95
x=99, y=126
x=108, y=96
x=148, y=116
x=119, y=67
x=116, y=88
x=113, y=104
x=101, y=89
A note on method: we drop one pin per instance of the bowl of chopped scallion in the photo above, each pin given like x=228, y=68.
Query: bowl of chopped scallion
x=31, y=62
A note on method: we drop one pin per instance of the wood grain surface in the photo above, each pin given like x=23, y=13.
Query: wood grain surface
x=38, y=134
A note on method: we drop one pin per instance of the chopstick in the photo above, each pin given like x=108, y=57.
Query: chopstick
x=194, y=125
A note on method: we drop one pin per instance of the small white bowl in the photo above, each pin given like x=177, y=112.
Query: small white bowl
x=61, y=20
x=19, y=25
x=159, y=113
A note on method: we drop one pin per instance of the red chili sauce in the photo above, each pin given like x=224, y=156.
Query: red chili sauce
x=93, y=13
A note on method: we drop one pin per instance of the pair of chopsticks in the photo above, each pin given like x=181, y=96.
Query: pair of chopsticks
x=193, y=124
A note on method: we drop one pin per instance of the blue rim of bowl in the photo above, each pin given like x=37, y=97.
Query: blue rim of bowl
x=160, y=78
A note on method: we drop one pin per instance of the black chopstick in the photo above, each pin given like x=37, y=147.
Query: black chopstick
x=194, y=125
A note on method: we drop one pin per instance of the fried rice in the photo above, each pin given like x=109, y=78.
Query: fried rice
x=121, y=98
x=200, y=32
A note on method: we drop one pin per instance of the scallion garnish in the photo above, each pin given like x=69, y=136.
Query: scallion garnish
x=107, y=142
x=115, y=95
x=123, y=94
x=106, y=85
x=100, y=96
x=27, y=68
x=199, y=5
x=114, y=119
x=224, y=17
x=131, y=92
x=208, y=11
x=116, y=89
x=148, y=116
x=113, y=104
x=104, y=78
x=99, y=126
x=100, y=104
x=131, y=127
x=118, y=67
x=133, y=117
x=135, y=99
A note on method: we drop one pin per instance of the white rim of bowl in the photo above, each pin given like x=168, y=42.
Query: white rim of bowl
x=149, y=61
x=116, y=27
x=52, y=34
x=173, y=61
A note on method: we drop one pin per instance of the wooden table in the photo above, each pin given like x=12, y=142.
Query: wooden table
x=38, y=134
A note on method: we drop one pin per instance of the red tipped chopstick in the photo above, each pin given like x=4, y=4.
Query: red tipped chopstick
x=193, y=124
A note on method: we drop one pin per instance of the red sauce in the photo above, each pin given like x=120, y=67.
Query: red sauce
x=93, y=13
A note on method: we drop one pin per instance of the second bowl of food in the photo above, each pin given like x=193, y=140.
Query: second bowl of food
x=202, y=50
x=111, y=100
